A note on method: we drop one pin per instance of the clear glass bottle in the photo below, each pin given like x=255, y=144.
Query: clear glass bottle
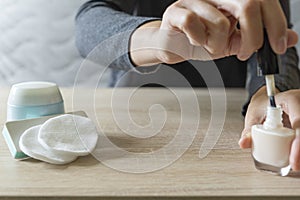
x=271, y=142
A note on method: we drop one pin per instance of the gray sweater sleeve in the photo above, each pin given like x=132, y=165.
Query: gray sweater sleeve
x=289, y=77
x=99, y=20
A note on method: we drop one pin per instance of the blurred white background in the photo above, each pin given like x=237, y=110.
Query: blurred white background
x=37, y=41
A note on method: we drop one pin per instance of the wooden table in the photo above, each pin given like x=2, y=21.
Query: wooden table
x=226, y=172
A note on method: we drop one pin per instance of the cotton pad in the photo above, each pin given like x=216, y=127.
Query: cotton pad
x=29, y=145
x=71, y=134
x=13, y=130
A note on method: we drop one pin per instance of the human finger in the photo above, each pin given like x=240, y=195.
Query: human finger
x=178, y=18
x=249, y=15
x=255, y=115
x=218, y=25
x=295, y=152
x=277, y=29
x=294, y=117
x=292, y=38
x=290, y=103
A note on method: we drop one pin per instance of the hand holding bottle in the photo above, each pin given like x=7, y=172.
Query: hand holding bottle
x=290, y=104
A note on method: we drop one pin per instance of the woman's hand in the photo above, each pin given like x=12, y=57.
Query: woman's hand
x=207, y=29
x=290, y=103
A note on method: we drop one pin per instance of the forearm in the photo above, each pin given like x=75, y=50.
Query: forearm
x=95, y=24
x=142, y=44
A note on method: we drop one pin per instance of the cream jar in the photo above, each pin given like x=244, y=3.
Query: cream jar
x=271, y=142
x=34, y=99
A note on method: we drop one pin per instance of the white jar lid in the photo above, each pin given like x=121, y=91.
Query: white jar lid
x=34, y=94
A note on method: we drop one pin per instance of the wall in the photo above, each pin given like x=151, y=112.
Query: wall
x=37, y=42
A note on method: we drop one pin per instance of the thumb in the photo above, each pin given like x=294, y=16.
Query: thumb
x=255, y=115
x=245, y=140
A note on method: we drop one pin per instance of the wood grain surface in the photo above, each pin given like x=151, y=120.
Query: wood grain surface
x=227, y=172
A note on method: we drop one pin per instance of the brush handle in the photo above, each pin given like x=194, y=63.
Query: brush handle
x=268, y=60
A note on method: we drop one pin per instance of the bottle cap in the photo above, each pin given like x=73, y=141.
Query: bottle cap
x=34, y=94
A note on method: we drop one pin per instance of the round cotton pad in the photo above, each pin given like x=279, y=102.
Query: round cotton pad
x=29, y=145
x=69, y=134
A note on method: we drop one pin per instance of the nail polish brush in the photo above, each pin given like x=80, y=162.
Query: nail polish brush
x=268, y=66
x=271, y=141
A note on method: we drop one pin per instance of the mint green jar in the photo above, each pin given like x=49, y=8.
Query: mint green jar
x=34, y=99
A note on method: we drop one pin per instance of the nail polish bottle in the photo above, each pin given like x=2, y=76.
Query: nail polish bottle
x=271, y=142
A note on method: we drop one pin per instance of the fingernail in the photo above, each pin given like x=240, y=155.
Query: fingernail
x=243, y=57
x=244, y=136
x=282, y=45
